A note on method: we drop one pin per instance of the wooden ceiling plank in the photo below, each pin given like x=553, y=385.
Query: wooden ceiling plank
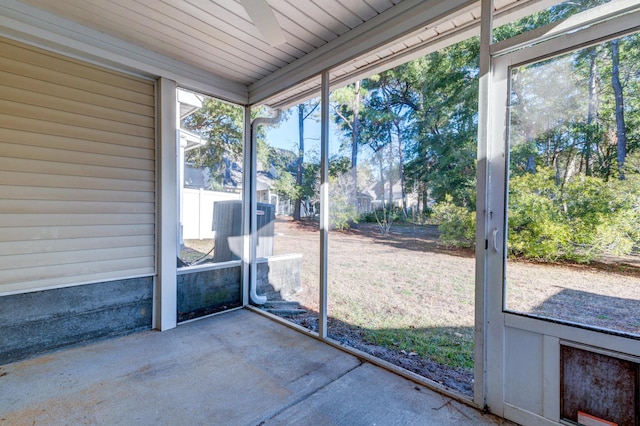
x=360, y=8
x=339, y=12
x=302, y=18
x=380, y=5
x=213, y=14
x=208, y=33
x=161, y=41
x=166, y=29
x=237, y=10
x=321, y=15
x=120, y=25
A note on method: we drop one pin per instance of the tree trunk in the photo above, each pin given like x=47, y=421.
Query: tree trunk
x=354, y=143
x=425, y=198
x=617, y=90
x=591, y=111
x=381, y=164
x=299, y=171
x=401, y=168
x=390, y=170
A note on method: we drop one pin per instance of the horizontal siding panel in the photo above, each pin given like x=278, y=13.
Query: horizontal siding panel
x=34, y=233
x=54, y=273
x=30, y=97
x=17, y=150
x=78, y=182
x=74, y=219
x=47, y=114
x=77, y=172
x=77, y=207
x=47, y=62
x=90, y=87
x=110, y=273
x=73, y=244
x=65, y=92
x=66, y=194
x=19, y=164
x=20, y=265
x=35, y=125
x=28, y=138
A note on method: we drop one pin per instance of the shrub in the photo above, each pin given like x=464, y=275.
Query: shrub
x=392, y=213
x=457, y=225
x=537, y=227
x=342, y=209
x=584, y=219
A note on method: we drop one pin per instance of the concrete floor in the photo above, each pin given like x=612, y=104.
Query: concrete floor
x=239, y=368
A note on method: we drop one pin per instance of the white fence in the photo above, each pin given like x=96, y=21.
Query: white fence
x=197, y=212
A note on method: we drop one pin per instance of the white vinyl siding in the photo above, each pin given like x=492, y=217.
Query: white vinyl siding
x=77, y=172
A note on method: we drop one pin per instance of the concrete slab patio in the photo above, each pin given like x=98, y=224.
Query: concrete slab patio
x=238, y=368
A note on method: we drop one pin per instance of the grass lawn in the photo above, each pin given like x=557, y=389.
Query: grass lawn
x=410, y=300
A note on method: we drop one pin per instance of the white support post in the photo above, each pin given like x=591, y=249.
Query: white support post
x=479, y=391
x=324, y=203
x=249, y=173
x=165, y=310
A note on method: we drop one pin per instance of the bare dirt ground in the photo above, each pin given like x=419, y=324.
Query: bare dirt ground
x=388, y=295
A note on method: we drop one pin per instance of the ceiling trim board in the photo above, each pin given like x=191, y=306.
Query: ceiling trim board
x=394, y=23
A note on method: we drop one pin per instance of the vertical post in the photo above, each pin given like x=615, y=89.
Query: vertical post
x=165, y=312
x=201, y=199
x=324, y=203
x=249, y=172
x=482, y=230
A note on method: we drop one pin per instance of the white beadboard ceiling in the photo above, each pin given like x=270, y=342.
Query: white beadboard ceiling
x=218, y=37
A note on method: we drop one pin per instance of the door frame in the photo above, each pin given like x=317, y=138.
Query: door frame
x=528, y=48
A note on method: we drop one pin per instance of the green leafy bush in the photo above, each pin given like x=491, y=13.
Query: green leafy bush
x=586, y=218
x=393, y=213
x=457, y=225
x=342, y=214
x=342, y=209
x=537, y=227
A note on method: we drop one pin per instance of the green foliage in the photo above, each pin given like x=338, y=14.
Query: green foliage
x=452, y=346
x=605, y=216
x=586, y=218
x=285, y=184
x=446, y=123
x=457, y=225
x=221, y=124
x=389, y=213
x=342, y=210
x=544, y=17
x=536, y=226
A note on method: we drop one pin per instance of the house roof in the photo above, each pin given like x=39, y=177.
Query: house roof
x=214, y=45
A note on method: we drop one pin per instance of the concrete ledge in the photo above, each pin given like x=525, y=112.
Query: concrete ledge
x=207, y=290
x=279, y=276
x=37, y=322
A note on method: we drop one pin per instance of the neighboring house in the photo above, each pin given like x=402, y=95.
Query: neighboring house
x=379, y=193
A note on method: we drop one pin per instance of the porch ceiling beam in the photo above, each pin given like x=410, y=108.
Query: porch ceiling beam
x=471, y=29
x=28, y=24
x=397, y=21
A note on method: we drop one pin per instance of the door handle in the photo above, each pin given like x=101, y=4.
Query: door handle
x=494, y=239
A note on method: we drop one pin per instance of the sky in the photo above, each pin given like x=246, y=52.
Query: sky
x=285, y=135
